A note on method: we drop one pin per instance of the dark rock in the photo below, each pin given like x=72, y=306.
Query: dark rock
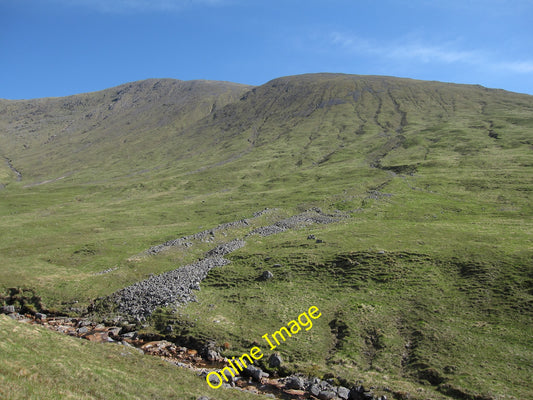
x=327, y=395
x=327, y=385
x=275, y=360
x=83, y=322
x=315, y=381
x=356, y=393
x=40, y=316
x=228, y=374
x=314, y=389
x=130, y=335
x=8, y=309
x=267, y=275
x=210, y=351
x=213, y=355
x=215, y=380
x=255, y=373
x=115, y=331
x=294, y=382
x=343, y=393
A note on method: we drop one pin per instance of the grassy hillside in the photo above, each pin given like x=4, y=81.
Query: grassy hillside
x=118, y=131
x=41, y=364
x=425, y=287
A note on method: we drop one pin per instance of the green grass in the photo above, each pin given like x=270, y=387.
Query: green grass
x=449, y=311
x=41, y=364
x=415, y=164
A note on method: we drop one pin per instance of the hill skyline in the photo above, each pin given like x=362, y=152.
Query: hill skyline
x=60, y=47
x=172, y=107
x=207, y=79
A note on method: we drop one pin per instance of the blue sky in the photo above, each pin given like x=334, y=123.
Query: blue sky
x=62, y=47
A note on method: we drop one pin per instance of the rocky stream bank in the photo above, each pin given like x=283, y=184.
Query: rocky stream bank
x=253, y=379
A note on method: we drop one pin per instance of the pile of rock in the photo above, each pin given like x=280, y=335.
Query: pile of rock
x=141, y=299
x=205, y=236
x=249, y=374
x=226, y=248
x=294, y=386
x=78, y=327
x=309, y=217
x=324, y=390
x=171, y=352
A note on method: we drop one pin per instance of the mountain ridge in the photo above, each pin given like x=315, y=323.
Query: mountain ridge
x=71, y=121
x=120, y=86
x=174, y=111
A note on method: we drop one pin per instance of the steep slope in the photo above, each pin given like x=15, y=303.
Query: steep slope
x=329, y=113
x=119, y=129
x=425, y=286
x=302, y=121
x=303, y=129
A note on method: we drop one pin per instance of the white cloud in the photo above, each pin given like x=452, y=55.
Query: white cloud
x=428, y=54
x=414, y=50
x=521, y=67
x=351, y=42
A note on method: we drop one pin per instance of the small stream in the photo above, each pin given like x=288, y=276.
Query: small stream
x=13, y=169
x=177, y=355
